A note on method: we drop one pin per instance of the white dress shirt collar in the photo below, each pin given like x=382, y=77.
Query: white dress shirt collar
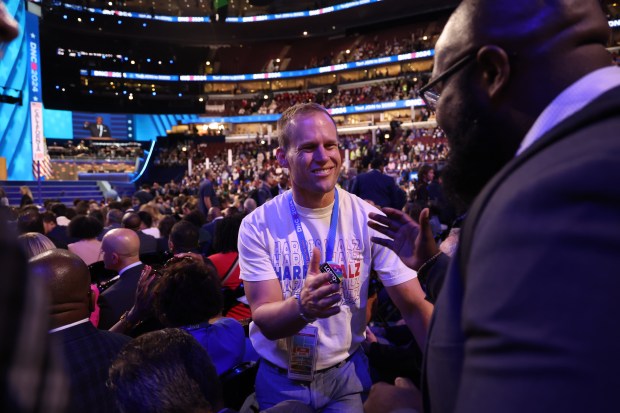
x=66, y=326
x=571, y=100
x=135, y=264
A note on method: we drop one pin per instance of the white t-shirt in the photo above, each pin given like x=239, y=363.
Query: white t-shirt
x=269, y=249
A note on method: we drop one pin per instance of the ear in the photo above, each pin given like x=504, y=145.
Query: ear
x=281, y=157
x=495, y=65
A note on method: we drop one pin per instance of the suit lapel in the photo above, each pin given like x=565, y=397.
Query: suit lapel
x=605, y=106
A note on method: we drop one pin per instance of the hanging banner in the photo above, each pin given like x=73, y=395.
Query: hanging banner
x=34, y=87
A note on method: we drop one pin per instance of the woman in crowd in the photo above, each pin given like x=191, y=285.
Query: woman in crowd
x=27, y=197
x=34, y=243
x=85, y=229
x=188, y=296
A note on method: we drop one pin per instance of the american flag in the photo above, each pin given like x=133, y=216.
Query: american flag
x=45, y=164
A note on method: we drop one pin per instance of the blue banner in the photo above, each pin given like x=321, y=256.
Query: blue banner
x=34, y=57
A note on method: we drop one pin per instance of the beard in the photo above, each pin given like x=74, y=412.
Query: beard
x=481, y=144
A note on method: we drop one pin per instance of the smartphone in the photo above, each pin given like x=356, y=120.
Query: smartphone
x=335, y=275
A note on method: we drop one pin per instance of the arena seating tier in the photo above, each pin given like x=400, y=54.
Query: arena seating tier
x=63, y=191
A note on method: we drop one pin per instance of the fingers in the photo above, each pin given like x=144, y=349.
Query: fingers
x=425, y=226
x=315, y=261
x=404, y=383
x=382, y=229
x=382, y=241
x=329, y=301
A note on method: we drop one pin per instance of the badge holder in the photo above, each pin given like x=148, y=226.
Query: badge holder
x=302, y=351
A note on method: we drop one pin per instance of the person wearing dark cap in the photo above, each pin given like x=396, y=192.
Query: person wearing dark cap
x=88, y=352
x=132, y=221
x=526, y=320
x=120, y=248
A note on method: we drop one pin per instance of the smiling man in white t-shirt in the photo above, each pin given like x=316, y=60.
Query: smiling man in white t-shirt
x=306, y=330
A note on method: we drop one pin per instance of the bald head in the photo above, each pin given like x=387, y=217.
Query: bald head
x=515, y=58
x=68, y=282
x=535, y=28
x=131, y=220
x=527, y=24
x=120, y=247
x=526, y=52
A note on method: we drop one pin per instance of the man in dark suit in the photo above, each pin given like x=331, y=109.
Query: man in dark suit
x=56, y=233
x=148, y=243
x=98, y=129
x=381, y=189
x=88, y=352
x=526, y=318
x=120, y=249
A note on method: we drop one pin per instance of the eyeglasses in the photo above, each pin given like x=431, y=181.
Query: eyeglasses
x=430, y=93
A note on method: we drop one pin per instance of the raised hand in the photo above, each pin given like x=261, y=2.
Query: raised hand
x=414, y=244
x=143, y=304
x=318, y=297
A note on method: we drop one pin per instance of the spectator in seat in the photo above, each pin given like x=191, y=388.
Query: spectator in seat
x=165, y=227
x=112, y=221
x=183, y=238
x=188, y=296
x=88, y=352
x=34, y=243
x=30, y=220
x=186, y=378
x=85, y=229
x=143, y=195
x=147, y=224
x=148, y=243
x=60, y=210
x=120, y=248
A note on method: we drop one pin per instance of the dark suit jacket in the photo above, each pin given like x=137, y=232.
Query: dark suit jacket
x=208, y=237
x=94, y=130
x=88, y=355
x=60, y=237
x=148, y=243
x=379, y=188
x=527, y=320
x=119, y=298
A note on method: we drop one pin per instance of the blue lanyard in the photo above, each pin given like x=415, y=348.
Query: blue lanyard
x=331, y=235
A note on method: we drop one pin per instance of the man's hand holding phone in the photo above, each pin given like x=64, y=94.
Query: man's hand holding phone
x=318, y=296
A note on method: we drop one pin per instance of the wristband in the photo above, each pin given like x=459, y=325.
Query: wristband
x=301, y=309
x=429, y=263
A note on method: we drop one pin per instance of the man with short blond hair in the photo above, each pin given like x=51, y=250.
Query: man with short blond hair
x=281, y=245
